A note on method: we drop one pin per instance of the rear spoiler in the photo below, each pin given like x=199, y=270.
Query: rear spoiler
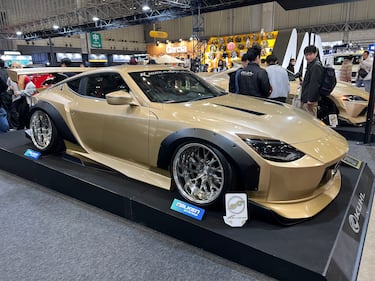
x=15, y=72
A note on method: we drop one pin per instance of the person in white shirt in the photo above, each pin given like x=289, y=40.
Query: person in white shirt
x=365, y=64
x=279, y=79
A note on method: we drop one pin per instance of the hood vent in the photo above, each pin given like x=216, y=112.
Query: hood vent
x=243, y=109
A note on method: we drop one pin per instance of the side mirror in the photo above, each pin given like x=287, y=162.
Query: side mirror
x=119, y=98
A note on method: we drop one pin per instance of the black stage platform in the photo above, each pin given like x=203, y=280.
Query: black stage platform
x=327, y=247
x=356, y=133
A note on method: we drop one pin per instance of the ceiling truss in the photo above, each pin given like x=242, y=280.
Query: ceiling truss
x=121, y=13
x=113, y=14
x=339, y=27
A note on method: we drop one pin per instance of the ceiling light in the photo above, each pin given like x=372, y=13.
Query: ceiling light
x=95, y=18
x=55, y=26
x=19, y=33
x=146, y=8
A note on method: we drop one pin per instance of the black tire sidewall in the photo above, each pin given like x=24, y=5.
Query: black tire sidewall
x=228, y=175
x=55, y=143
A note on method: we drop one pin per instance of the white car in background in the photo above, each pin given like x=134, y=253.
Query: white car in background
x=336, y=60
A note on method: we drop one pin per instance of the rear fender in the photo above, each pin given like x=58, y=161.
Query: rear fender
x=57, y=119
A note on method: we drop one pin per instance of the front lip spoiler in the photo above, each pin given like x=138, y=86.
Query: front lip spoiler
x=304, y=209
x=28, y=134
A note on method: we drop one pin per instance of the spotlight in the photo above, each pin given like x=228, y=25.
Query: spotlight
x=146, y=8
x=95, y=18
x=19, y=33
x=55, y=27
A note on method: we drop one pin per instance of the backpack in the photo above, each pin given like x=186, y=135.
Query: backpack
x=3, y=82
x=328, y=81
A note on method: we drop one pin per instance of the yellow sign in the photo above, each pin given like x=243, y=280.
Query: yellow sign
x=158, y=34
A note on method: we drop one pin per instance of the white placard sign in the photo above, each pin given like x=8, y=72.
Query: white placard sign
x=236, y=209
x=333, y=121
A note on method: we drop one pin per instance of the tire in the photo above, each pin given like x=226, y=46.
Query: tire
x=44, y=134
x=201, y=174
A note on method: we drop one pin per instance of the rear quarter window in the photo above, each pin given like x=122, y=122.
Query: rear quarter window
x=74, y=85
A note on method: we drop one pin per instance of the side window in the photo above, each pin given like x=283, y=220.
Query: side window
x=357, y=59
x=98, y=85
x=74, y=85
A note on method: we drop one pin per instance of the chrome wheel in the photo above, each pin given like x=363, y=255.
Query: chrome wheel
x=199, y=173
x=43, y=132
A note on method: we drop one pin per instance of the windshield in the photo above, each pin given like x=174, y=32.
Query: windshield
x=339, y=59
x=173, y=86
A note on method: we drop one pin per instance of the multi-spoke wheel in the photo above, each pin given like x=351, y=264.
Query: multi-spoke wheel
x=43, y=132
x=201, y=173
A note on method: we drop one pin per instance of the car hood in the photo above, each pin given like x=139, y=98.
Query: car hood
x=239, y=114
x=343, y=88
x=258, y=118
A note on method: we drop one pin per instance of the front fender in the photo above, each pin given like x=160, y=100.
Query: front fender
x=247, y=170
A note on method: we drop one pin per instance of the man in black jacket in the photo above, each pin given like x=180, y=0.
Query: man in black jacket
x=253, y=80
x=311, y=83
x=4, y=98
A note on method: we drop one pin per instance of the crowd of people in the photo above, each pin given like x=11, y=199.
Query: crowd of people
x=15, y=99
x=273, y=82
x=364, y=74
x=15, y=96
x=252, y=80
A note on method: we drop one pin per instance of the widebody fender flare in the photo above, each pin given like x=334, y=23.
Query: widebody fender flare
x=246, y=168
x=57, y=119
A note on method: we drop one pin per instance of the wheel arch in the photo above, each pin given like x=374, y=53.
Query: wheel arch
x=246, y=169
x=57, y=119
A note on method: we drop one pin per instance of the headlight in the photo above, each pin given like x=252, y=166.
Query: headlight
x=274, y=150
x=352, y=98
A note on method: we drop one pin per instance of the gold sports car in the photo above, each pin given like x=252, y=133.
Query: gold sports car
x=170, y=128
